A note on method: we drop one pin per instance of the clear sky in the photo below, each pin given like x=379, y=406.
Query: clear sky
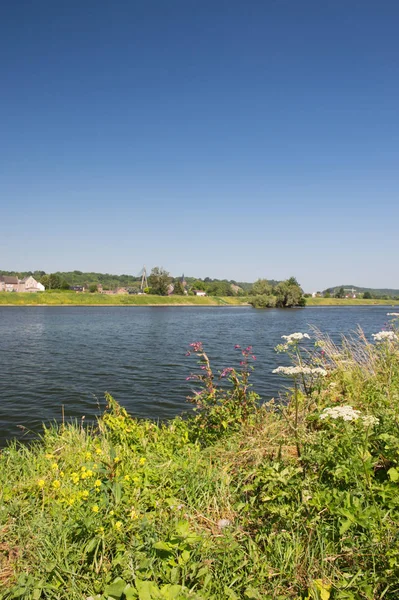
x=219, y=138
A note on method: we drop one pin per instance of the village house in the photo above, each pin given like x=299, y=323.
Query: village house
x=199, y=292
x=10, y=283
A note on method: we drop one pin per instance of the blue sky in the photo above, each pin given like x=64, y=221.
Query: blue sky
x=216, y=138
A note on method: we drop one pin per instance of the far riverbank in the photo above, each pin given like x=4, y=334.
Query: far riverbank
x=59, y=298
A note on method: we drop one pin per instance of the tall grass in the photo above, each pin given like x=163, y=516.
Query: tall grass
x=283, y=501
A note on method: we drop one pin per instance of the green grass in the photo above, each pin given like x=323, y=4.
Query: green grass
x=349, y=302
x=281, y=504
x=59, y=298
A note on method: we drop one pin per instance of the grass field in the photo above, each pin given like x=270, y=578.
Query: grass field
x=348, y=302
x=58, y=298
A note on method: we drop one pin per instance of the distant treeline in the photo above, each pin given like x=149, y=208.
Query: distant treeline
x=68, y=279
x=342, y=291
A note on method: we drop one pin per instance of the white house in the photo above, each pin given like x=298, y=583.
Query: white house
x=199, y=292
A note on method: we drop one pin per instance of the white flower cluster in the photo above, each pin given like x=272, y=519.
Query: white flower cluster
x=295, y=337
x=393, y=314
x=292, y=371
x=383, y=336
x=347, y=413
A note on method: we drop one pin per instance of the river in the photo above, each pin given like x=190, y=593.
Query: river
x=63, y=359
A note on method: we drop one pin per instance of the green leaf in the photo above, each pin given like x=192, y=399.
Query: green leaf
x=115, y=589
x=393, y=474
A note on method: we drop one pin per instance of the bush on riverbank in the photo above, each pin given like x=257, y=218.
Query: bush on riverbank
x=297, y=500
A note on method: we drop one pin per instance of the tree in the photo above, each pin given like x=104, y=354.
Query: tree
x=178, y=288
x=288, y=294
x=93, y=288
x=340, y=293
x=159, y=281
x=367, y=296
x=261, y=287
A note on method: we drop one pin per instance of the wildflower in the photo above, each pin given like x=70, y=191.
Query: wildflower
x=383, y=336
x=97, y=483
x=142, y=460
x=117, y=459
x=88, y=455
x=370, y=420
x=295, y=337
x=222, y=523
x=95, y=508
x=41, y=483
x=85, y=494
x=393, y=314
x=292, y=371
x=100, y=530
x=54, y=466
x=75, y=478
x=237, y=347
x=126, y=478
x=56, y=484
x=226, y=371
x=197, y=346
x=98, y=451
x=188, y=353
x=118, y=525
x=111, y=512
x=49, y=456
x=133, y=514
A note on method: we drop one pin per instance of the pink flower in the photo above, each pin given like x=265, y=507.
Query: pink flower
x=188, y=353
x=197, y=346
x=253, y=357
x=236, y=347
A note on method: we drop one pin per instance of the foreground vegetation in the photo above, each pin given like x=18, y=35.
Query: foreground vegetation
x=296, y=499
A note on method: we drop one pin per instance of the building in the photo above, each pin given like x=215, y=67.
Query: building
x=199, y=292
x=30, y=285
x=10, y=283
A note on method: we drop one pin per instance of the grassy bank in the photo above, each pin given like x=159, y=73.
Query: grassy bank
x=349, y=302
x=293, y=501
x=59, y=298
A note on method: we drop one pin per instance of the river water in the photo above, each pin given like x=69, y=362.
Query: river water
x=55, y=359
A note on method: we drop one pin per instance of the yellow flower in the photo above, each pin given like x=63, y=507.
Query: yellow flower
x=126, y=478
x=49, y=456
x=56, y=484
x=97, y=483
x=54, y=466
x=88, y=455
x=41, y=483
x=118, y=525
x=143, y=460
x=62, y=474
x=100, y=530
x=85, y=494
x=98, y=451
x=95, y=466
x=95, y=508
x=117, y=459
x=111, y=512
x=133, y=514
x=71, y=501
x=89, y=473
x=75, y=477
